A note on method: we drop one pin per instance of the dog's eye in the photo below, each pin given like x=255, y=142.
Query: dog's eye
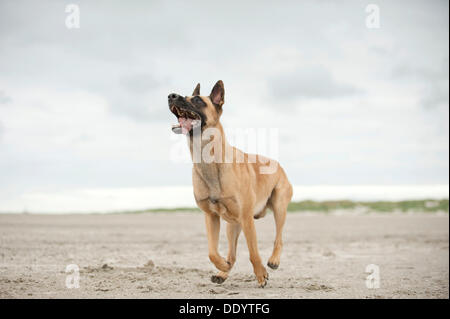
x=197, y=101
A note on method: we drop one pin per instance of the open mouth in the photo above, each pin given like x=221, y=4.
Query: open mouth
x=187, y=120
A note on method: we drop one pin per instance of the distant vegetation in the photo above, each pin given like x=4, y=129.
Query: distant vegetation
x=161, y=210
x=428, y=205
x=379, y=206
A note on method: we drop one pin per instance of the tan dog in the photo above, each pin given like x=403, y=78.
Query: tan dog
x=234, y=187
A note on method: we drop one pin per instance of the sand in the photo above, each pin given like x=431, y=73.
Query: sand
x=164, y=255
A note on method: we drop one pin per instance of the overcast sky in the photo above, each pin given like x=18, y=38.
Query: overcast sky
x=87, y=107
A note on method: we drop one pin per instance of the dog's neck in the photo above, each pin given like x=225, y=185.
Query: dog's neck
x=212, y=142
x=216, y=149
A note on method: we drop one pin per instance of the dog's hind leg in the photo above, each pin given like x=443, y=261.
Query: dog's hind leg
x=248, y=226
x=233, y=231
x=279, y=201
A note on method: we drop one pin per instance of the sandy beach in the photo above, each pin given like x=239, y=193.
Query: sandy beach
x=164, y=255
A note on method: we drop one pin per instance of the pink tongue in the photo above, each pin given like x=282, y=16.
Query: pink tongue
x=186, y=124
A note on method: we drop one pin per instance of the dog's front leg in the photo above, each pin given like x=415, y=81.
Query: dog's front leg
x=248, y=226
x=233, y=231
x=212, y=230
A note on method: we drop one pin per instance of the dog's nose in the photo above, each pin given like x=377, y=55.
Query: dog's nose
x=172, y=97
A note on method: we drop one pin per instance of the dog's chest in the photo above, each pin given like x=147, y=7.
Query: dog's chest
x=211, y=196
x=210, y=177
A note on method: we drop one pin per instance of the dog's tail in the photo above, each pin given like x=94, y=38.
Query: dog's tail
x=261, y=214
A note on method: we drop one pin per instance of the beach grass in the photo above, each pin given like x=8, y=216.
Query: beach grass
x=425, y=205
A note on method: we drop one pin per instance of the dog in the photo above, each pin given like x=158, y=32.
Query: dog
x=231, y=187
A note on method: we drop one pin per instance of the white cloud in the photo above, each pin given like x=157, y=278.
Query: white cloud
x=88, y=108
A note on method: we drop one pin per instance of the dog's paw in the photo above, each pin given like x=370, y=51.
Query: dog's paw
x=224, y=265
x=217, y=279
x=221, y=263
x=262, y=279
x=273, y=265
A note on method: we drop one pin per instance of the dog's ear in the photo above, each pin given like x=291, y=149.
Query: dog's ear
x=196, y=90
x=217, y=95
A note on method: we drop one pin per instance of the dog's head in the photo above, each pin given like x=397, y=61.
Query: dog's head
x=196, y=110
